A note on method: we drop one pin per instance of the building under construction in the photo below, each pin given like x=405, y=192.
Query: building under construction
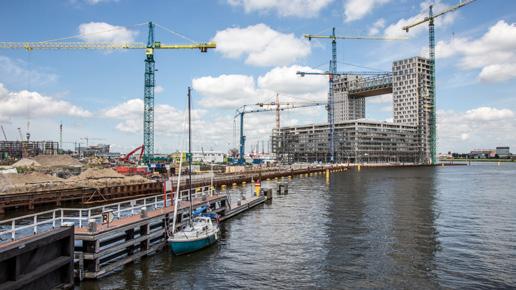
x=20, y=149
x=406, y=139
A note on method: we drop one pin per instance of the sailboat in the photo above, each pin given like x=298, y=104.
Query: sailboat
x=199, y=232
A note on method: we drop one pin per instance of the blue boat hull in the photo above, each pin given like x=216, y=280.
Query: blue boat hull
x=185, y=247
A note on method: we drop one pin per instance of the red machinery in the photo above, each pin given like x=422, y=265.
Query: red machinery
x=128, y=155
x=130, y=170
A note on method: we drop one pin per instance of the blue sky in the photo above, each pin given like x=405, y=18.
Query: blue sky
x=97, y=94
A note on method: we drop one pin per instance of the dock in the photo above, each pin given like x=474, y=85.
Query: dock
x=110, y=236
x=89, y=196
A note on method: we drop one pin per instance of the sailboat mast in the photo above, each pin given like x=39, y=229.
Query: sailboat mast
x=190, y=150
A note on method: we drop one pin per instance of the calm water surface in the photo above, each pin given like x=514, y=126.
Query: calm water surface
x=425, y=228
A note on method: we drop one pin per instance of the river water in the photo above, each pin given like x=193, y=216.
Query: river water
x=404, y=228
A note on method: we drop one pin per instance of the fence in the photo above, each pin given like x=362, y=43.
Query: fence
x=23, y=226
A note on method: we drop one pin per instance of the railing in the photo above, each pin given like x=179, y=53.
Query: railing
x=370, y=83
x=15, y=228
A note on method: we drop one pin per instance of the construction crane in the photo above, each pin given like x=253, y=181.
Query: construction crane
x=431, y=50
x=266, y=107
x=3, y=132
x=24, y=144
x=149, y=82
x=332, y=72
x=331, y=102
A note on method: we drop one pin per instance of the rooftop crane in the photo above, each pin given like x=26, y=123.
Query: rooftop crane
x=431, y=50
x=332, y=72
x=266, y=107
x=149, y=82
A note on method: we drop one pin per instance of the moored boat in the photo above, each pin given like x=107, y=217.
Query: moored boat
x=200, y=231
x=200, y=234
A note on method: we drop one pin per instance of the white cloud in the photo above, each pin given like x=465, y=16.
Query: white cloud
x=494, y=52
x=395, y=29
x=381, y=99
x=105, y=32
x=168, y=121
x=483, y=127
x=95, y=2
x=261, y=45
x=33, y=104
x=488, y=114
x=285, y=81
x=357, y=9
x=225, y=91
x=233, y=91
x=159, y=89
x=18, y=72
x=377, y=27
x=299, y=8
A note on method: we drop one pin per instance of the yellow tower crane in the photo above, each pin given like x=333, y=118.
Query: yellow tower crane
x=149, y=83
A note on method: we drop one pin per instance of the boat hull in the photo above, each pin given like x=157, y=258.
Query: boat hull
x=189, y=246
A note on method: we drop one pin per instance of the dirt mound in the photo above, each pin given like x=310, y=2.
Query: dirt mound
x=94, y=177
x=26, y=162
x=97, y=173
x=56, y=160
x=34, y=181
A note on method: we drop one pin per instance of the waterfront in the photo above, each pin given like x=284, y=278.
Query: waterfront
x=442, y=227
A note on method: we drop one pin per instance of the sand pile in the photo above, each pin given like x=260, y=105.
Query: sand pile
x=97, y=173
x=95, y=177
x=34, y=181
x=56, y=160
x=26, y=162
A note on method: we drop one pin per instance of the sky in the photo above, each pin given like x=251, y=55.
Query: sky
x=98, y=95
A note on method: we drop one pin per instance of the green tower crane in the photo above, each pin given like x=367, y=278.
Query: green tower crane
x=149, y=82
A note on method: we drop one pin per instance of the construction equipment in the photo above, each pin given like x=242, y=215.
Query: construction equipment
x=149, y=83
x=128, y=155
x=431, y=50
x=332, y=72
x=3, y=132
x=266, y=107
x=25, y=152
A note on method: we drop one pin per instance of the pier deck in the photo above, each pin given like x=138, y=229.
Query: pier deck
x=137, y=228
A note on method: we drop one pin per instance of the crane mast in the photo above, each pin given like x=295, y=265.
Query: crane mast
x=148, y=98
x=333, y=71
x=431, y=52
x=149, y=75
x=265, y=107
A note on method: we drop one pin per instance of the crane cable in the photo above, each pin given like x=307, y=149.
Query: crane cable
x=93, y=33
x=175, y=33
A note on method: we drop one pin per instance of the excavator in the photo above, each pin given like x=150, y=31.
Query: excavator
x=130, y=167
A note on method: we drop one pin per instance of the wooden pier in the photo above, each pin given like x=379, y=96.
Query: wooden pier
x=110, y=236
